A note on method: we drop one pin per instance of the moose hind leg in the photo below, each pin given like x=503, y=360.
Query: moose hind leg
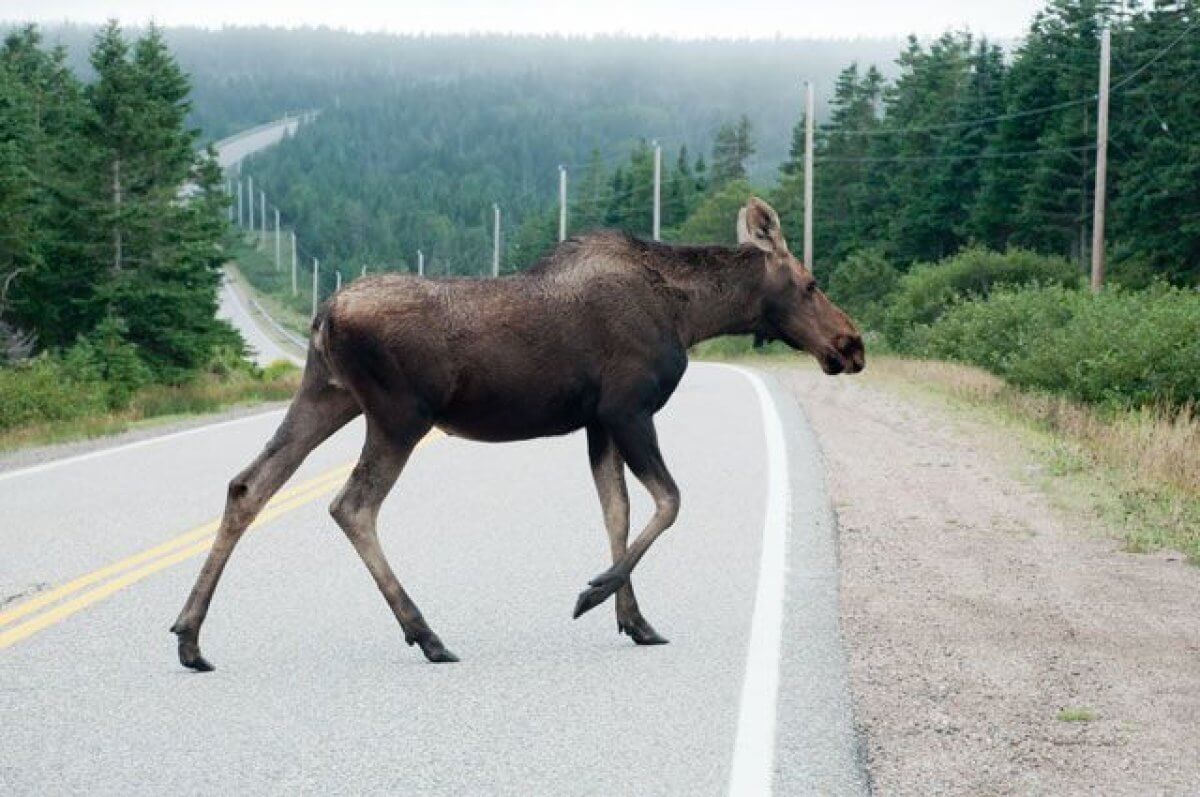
x=638, y=444
x=356, y=510
x=608, y=472
x=318, y=411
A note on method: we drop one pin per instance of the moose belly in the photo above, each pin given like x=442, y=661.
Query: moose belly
x=496, y=411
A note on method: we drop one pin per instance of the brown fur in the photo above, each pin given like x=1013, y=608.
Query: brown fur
x=595, y=336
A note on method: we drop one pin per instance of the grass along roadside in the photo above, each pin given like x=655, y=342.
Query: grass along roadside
x=158, y=404
x=253, y=268
x=1136, y=472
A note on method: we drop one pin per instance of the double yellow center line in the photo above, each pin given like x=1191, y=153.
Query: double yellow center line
x=74, y=596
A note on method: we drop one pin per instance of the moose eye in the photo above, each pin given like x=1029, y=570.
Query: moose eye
x=810, y=288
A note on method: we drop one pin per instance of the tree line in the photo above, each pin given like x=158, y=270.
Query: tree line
x=968, y=147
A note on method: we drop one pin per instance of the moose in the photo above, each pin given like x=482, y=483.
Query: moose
x=595, y=336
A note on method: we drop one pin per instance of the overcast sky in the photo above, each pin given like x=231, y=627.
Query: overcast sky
x=680, y=18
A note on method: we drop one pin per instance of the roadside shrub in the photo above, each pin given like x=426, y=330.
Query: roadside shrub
x=861, y=285
x=47, y=388
x=277, y=370
x=926, y=292
x=1119, y=348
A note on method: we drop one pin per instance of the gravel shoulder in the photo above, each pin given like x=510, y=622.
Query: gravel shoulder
x=996, y=645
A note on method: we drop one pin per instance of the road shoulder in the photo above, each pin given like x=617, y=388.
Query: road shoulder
x=996, y=645
x=152, y=428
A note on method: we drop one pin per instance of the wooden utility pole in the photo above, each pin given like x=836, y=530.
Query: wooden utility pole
x=657, y=191
x=316, y=285
x=337, y=276
x=241, y=210
x=295, y=289
x=420, y=263
x=495, y=240
x=562, y=203
x=809, y=110
x=262, y=216
x=250, y=204
x=278, y=243
x=1101, y=164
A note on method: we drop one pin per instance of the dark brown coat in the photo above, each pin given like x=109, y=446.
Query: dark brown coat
x=594, y=337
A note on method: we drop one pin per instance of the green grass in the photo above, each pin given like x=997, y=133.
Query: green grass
x=156, y=404
x=1136, y=472
x=1076, y=714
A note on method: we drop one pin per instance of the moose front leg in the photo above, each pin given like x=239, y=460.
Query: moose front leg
x=608, y=472
x=637, y=443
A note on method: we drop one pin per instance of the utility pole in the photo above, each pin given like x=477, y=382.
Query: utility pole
x=316, y=285
x=262, y=216
x=562, y=203
x=657, y=191
x=241, y=214
x=294, y=287
x=337, y=273
x=420, y=263
x=495, y=240
x=1101, y=164
x=809, y=109
x=229, y=193
x=250, y=203
x=278, y=257
x=364, y=270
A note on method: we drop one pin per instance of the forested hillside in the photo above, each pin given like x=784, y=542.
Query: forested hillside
x=638, y=87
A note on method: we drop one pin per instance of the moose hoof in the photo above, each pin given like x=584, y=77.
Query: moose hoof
x=433, y=648
x=599, y=588
x=189, y=656
x=641, y=632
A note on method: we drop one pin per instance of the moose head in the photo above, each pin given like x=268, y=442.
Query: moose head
x=794, y=309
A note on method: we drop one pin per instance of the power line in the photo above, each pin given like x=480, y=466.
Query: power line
x=975, y=156
x=1090, y=98
x=1131, y=76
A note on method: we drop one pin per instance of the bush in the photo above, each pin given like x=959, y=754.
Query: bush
x=861, y=285
x=1118, y=348
x=278, y=369
x=926, y=292
x=48, y=389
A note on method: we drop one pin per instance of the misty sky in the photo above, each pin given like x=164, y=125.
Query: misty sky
x=681, y=18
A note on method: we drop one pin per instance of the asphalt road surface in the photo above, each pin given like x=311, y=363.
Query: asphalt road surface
x=231, y=151
x=264, y=349
x=315, y=691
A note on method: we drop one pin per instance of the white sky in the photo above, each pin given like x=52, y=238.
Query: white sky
x=679, y=18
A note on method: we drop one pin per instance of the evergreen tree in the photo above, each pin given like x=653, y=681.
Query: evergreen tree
x=119, y=221
x=732, y=147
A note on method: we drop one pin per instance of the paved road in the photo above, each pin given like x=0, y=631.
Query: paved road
x=234, y=307
x=231, y=151
x=264, y=349
x=315, y=691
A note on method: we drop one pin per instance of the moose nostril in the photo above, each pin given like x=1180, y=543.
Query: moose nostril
x=849, y=345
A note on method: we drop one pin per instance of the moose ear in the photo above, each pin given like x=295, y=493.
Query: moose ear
x=758, y=224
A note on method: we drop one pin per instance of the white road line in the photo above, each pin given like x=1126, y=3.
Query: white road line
x=45, y=466
x=754, y=747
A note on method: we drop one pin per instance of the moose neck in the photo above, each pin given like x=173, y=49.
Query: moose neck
x=718, y=289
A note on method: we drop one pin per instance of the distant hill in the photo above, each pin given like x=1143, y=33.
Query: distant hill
x=676, y=91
